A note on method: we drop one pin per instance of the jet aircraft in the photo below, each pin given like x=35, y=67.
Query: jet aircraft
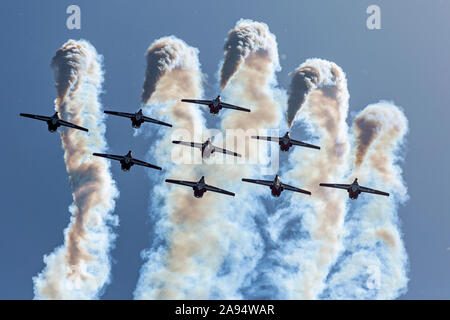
x=354, y=189
x=215, y=105
x=127, y=161
x=276, y=186
x=53, y=122
x=207, y=148
x=199, y=187
x=137, y=118
x=286, y=142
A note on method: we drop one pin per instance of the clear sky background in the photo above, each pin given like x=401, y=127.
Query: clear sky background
x=408, y=62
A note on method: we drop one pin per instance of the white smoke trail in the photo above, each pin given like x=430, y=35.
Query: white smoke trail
x=251, y=61
x=374, y=265
x=81, y=267
x=307, y=233
x=247, y=76
x=181, y=261
x=247, y=38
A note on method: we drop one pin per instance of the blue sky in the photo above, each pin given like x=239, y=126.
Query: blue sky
x=407, y=61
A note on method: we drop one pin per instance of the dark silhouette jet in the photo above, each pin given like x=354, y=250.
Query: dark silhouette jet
x=53, y=122
x=207, y=148
x=137, y=118
x=127, y=161
x=276, y=186
x=215, y=105
x=199, y=187
x=354, y=189
x=286, y=142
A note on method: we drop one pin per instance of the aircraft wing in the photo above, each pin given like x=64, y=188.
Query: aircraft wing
x=120, y=114
x=145, y=164
x=334, y=185
x=181, y=182
x=147, y=119
x=368, y=190
x=214, y=189
x=205, y=102
x=263, y=182
x=231, y=153
x=288, y=187
x=71, y=125
x=304, y=144
x=189, y=144
x=35, y=116
x=275, y=139
x=231, y=106
x=109, y=156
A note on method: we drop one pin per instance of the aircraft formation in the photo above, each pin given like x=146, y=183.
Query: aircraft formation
x=207, y=149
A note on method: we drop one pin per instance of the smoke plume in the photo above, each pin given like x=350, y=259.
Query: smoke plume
x=173, y=267
x=307, y=233
x=247, y=38
x=374, y=265
x=80, y=268
x=303, y=81
x=251, y=52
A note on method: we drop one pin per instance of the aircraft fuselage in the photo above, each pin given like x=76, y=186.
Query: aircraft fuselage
x=136, y=123
x=353, y=191
x=137, y=120
x=353, y=194
x=126, y=162
x=276, y=192
x=285, y=146
x=52, y=127
x=53, y=123
x=199, y=189
x=214, y=109
x=126, y=166
x=214, y=106
x=285, y=142
x=198, y=193
x=276, y=187
x=207, y=149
